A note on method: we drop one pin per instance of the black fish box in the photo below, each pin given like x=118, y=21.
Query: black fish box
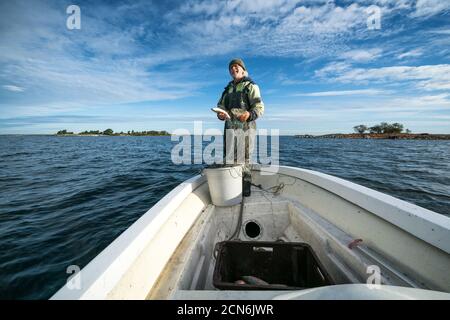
x=252, y=265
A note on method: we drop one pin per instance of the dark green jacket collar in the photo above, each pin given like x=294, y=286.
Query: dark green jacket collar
x=242, y=80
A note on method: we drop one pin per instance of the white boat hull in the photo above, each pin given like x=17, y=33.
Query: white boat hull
x=168, y=252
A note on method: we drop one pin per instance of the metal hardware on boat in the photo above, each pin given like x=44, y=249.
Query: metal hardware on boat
x=355, y=243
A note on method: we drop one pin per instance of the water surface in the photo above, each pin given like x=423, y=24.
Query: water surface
x=64, y=199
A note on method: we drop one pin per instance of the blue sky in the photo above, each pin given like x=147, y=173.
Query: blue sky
x=161, y=65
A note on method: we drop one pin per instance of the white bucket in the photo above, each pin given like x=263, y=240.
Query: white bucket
x=225, y=185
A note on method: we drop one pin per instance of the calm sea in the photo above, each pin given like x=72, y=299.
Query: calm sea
x=64, y=199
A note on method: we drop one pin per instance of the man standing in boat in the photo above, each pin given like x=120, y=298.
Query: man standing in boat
x=242, y=101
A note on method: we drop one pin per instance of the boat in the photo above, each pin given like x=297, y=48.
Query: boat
x=358, y=243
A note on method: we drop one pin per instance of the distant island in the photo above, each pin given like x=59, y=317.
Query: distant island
x=110, y=132
x=383, y=130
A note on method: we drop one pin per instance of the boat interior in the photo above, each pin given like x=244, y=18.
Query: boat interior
x=299, y=231
x=349, y=245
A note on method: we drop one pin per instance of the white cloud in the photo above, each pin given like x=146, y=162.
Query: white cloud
x=13, y=88
x=103, y=63
x=364, y=92
x=362, y=55
x=271, y=28
x=427, y=8
x=208, y=8
x=261, y=9
x=387, y=108
x=412, y=53
x=428, y=77
x=441, y=31
x=333, y=69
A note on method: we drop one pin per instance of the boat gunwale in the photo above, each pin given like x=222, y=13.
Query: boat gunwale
x=103, y=272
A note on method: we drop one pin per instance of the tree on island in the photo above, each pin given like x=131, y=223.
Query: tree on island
x=64, y=132
x=360, y=129
x=383, y=127
x=96, y=132
x=108, y=132
x=376, y=129
x=394, y=128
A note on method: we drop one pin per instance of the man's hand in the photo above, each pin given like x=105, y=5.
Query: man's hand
x=243, y=117
x=222, y=116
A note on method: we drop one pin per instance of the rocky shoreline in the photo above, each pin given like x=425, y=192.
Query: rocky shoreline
x=391, y=136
